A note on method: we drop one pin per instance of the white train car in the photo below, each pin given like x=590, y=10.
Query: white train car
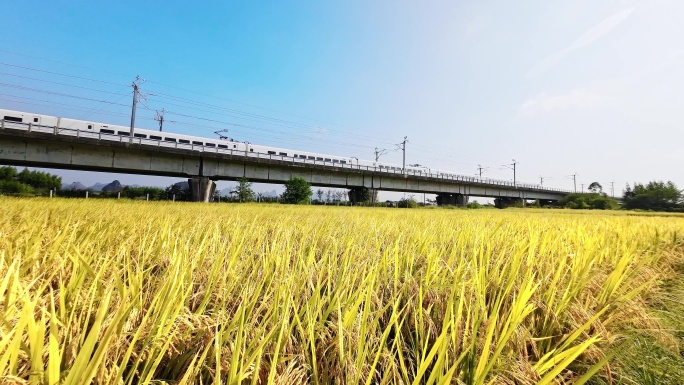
x=115, y=132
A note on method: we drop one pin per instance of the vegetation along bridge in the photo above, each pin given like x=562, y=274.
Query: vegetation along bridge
x=24, y=144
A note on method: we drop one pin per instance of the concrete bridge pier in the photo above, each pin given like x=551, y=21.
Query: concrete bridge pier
x=503, y=202
x=362, y=195
x=202, y=189
x=459, y=200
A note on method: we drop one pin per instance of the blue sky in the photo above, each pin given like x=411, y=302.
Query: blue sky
x=594, y=87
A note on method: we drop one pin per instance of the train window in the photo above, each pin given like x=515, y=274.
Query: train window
x=283, y=153
x=197, y=143
x=271, y=152
x=140, y=135
x=234, y=146
x=317, y=158
x=343, y=161
x=328, y=160
x=335, y=161
x=210, y=144
x=155, y=137
x=13, y=119
x=312, y=157
x=90, y=127
x=302, y=156
x=251, y=150
x=35, y=120
x=222, y=146
x=124, y=133
x=183, y=141
x=170, y=139
x=106, y=131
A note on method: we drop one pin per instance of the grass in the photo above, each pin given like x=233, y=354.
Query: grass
x=121, y=292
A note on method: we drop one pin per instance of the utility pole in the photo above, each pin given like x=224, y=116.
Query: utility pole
x=379, y=152
x=136, y=92
x=159, y=117
x=480, y=169
x=402, y=147
x=612, y=189
x=582, y=184
x=512, y=167
x=541, y=180
x=574, y=181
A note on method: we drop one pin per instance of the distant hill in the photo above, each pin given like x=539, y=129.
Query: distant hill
x=270, y=194
x=115, y=186
x=74, y=186
x=97, y=186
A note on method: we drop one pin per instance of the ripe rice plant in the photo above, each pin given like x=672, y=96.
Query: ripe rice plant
x=121, y=292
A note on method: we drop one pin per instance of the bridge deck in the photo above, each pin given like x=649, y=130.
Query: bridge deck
x=39, y=146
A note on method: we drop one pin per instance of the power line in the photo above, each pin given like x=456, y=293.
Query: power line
x=512, y=166
x=379, y=153
x=58, y=83
x=59, y=74
x=57, y=93
x=245, y=115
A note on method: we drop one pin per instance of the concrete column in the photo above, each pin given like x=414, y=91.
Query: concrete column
x=460, y=200
x=357, y=195
x=202, y=189
x=503, y=202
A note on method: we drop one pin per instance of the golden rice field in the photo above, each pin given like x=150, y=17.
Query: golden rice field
x=123, y=292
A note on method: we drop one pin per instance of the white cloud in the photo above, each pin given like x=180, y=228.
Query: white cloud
x=593, y=34
x=543, y=103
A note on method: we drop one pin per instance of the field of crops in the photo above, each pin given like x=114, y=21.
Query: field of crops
x=123, y=292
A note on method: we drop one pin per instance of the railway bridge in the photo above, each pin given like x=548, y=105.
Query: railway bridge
x=24, y=144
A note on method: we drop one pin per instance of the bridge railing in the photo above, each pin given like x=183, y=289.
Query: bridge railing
x=66, y=131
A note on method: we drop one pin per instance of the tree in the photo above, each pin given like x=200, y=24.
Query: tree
x=8, y=173
x=596, y=188
x=590, y=201
x=656, y=196
x=407, y=203
x=27, y=182
x=339, y=195
x=328, y=196
x=180, y=190
x=319, y=194
x=243, y=190
x=297, y=191
x=39, y=180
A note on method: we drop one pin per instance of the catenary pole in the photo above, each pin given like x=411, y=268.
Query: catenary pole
x=135, y=104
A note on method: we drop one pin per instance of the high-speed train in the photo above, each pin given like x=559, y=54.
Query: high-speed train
x=10, y=117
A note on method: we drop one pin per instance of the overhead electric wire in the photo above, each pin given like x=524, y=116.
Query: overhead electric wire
x=58, y=83
x=268, y=119
x=58, y=94
x=60, y=74
x=150, y=81
x=241, y=114
x=65, y=106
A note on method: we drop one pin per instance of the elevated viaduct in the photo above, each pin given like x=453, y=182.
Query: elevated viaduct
x=40, y=146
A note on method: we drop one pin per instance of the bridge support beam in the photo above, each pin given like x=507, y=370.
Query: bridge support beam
x=202, y=189
x=452, y=200
x=362, y=195
x=503, y=202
